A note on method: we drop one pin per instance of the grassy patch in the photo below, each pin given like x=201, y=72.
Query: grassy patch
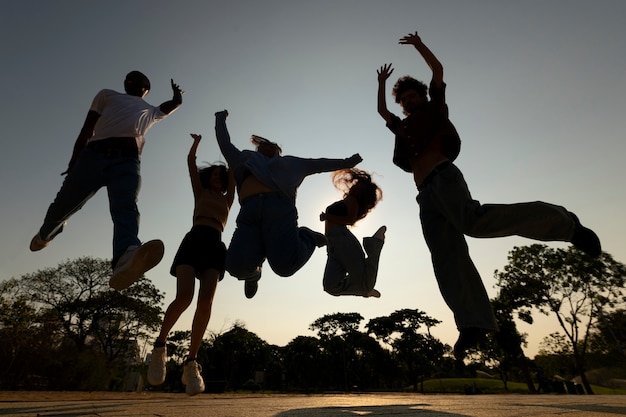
x=492, y=386
x=486, y=386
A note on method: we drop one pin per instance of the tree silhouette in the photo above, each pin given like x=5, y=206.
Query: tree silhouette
x=95, y=329
x=302, y=360
x=237, y=354
x=419, y=352
x=568, y=284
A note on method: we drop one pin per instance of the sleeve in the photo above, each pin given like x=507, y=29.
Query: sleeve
x=310, y=166
x=394, y=124
x=230, y=151
x=438, y=98
x=99, y=101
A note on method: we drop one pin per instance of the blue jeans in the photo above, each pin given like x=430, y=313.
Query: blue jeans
x=267, y=228
x=348, y=271
x=448, y=212
x=92, y=171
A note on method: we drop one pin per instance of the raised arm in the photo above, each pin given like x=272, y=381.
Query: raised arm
x=177, y=99
x=229, y=150
x=86, y=132
x=196, y=185
x=430, y=58
x=383, y=75
x=308, y=166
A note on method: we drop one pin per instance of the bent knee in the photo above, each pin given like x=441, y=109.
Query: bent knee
x=244, y=274
x=332, y=290
x=284, y=270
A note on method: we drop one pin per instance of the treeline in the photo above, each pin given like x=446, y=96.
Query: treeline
x=63, y=328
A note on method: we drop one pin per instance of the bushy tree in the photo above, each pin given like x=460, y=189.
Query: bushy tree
x=302, y=360
x=419, y=352
x=609, y=337
x=337, y=324
x=89, y=331
x=339, y=356
x=566, y=283
x=236, y=355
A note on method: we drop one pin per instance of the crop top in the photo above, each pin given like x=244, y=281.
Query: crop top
x=338, y=208
x=212, y=206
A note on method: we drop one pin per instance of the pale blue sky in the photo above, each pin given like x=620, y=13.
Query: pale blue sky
x=535, y=88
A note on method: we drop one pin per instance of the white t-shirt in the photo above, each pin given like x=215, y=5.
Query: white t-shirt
x=123, y=115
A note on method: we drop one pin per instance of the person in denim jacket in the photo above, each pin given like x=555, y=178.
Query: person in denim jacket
x=267, y=223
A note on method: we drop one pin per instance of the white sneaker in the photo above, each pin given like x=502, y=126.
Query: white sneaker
x=156, y=368
x=135, y=262
x=194, y=384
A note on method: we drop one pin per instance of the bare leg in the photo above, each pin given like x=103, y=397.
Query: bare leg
x=185, y=283
x=208, y=286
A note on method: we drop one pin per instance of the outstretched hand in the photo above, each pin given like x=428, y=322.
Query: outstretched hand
x=384, y=73
x=178, y=93
x=410, y=39
x=357, y=158
x=196, y=137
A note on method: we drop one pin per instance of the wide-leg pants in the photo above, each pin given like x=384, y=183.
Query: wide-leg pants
x=267, y=228
x=348, y=271
x=448, y=212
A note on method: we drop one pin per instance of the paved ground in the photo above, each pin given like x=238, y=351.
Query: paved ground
x=64, y=404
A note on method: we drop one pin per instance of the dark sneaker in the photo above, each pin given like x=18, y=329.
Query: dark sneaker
x=250, y=288
x=373, y=293
x=194, y=384
x=156, y=368
x=585, y=239
x=135, y=262
x=319, y=238
x=468, y=338
x=37, y=243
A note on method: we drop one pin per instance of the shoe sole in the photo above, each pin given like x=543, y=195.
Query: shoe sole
x=586, y=240
x=250, y=292
x=155, y=381
x=147, y=257
x=190, y=391
x=319, y=238
x=195, y=392
x=156, y=374
x=37, y=243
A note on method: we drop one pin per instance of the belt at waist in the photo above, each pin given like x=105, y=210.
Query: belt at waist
x=123, y=146
x=432, y=174
x=262, y=195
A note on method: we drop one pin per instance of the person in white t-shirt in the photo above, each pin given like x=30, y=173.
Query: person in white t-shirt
x=107, y=154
